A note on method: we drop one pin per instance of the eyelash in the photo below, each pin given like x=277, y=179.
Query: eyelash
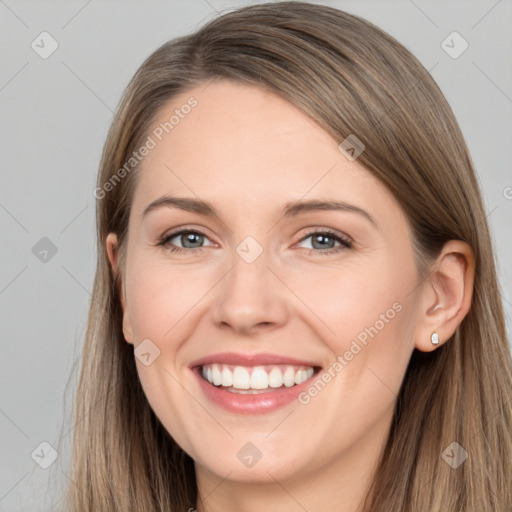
x=345, y=242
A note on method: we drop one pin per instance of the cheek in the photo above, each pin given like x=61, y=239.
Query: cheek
x=371, y=316
x=359, y=300
x=365, y=314
x=160, y=297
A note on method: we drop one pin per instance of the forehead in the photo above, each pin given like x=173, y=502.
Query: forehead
x=242, y=146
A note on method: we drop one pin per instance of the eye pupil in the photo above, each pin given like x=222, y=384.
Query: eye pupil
x=190, y=238
x=323, y=239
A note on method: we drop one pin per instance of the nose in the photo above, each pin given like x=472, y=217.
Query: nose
x=250, y=298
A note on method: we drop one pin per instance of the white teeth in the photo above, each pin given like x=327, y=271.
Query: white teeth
x=259, y=378
x=275, y=378
x=289, y=377
x=241, y=378
x=227, y=377
x=255, y=378
x=303, y=375
x=217, y=376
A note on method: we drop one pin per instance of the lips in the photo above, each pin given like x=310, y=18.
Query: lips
x=252, y=383
x=251, y=360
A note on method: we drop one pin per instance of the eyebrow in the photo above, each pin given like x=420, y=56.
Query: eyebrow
x=290, y=209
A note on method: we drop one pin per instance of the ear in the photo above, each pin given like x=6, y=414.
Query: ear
x=112, y=252
x=446, y=295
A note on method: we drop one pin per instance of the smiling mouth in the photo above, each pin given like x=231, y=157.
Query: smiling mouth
x=255, y=379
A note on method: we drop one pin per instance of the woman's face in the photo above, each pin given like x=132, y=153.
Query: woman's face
x=301, y=314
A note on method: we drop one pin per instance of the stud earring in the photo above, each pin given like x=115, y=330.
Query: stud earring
x=434, y=338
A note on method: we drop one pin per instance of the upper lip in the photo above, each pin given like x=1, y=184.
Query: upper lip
x=250, y=360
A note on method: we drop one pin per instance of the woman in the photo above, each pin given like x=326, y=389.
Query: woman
x=333, y=336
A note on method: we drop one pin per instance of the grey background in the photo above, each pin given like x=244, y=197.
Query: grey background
x=55, y=114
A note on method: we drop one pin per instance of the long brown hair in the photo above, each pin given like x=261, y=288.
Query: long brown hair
x=350, y=77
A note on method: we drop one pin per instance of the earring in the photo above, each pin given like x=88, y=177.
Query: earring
x=434, y=338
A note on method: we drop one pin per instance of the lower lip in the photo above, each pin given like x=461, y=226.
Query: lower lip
x=259, y=403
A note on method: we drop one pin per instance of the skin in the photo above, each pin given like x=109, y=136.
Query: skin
x=248, y=152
